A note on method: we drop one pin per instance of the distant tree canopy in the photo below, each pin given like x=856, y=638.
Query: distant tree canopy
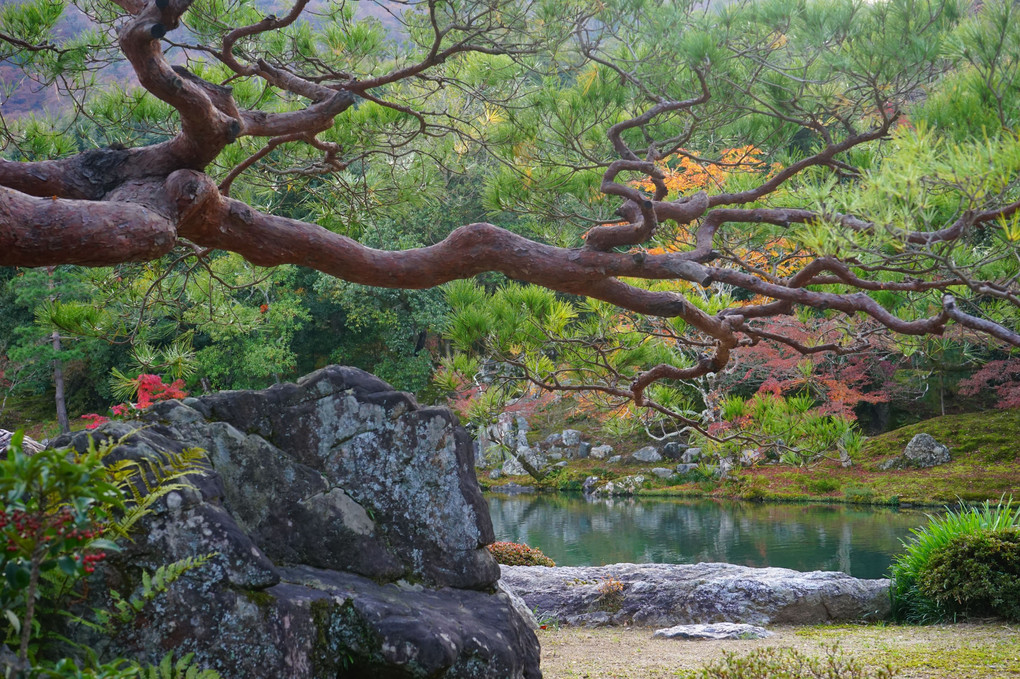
x=846, y=157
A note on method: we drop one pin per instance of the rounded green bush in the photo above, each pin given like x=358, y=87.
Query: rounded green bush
x=513, y=554
x=913, y=603
x=976, y=574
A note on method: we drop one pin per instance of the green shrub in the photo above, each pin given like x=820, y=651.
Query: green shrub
x=807, y=432
x=787, y=663
x=910, y=603
x=822, y=485
x=569, y=484
x=976, y=575
x=513, y=554
x=754, y=490
x=859, y=494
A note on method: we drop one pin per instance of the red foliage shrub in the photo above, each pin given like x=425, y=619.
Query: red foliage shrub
x=838, y=383
x=94, y=420
x=1001, y=377
x=151, y=389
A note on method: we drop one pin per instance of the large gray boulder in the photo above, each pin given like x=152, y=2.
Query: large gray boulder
x=349, y=534
x=673, y=450
x=924, y=451
x=683, y=594
x=921, y=452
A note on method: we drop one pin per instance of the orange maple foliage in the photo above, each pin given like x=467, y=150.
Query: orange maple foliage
x=685, y=172
x=778, y=257
x=600, y=408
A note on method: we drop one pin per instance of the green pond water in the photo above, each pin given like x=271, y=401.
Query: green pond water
x=575, y=531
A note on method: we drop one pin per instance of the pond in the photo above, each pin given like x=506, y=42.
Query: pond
x=575, y=531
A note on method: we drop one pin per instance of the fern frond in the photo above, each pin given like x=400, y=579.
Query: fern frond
x=165, y=667
x=153, y=472
x=182, y=669
x=147, y=480
x=122, y=611
x=142, y=508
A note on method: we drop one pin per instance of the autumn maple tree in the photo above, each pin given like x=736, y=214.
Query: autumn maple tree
x=878, y=140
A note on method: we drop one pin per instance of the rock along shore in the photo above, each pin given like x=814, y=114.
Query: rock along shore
x=681, y=594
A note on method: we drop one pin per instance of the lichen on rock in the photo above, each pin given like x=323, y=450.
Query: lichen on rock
x=349, y=535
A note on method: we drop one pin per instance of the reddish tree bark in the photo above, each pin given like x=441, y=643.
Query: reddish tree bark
x=104, y=207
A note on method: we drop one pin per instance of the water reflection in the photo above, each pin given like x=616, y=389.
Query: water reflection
x=575, y=531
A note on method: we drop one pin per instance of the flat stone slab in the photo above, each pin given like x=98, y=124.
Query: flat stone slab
x=719, y=630
x=665, y=595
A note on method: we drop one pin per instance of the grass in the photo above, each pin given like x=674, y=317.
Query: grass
x=969, y=650
x=966, y=651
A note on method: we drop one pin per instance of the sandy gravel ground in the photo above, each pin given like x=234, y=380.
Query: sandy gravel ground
x=962, y=651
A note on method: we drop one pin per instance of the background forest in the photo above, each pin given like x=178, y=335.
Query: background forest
x=511, y=140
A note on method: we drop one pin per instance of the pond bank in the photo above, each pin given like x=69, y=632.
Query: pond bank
x=961, y=651
x=983, y=448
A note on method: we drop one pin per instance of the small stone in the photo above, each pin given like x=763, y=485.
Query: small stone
x=555, y=456
x=647, y=454
x=512, y=489
x=615, y=459
x=662, y=472
x=560, y=465
x=583, y=450
x=691, y=455
x=601, y=452
x=596, y=619
x=673, y=450
x=685, y=468
x=495, y=474
x=718, y=630
x=749, y=457
x=590, y=485
x=571, y=437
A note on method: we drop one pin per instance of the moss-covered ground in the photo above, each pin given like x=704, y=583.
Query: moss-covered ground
x=985, y=465
x=988, y=650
